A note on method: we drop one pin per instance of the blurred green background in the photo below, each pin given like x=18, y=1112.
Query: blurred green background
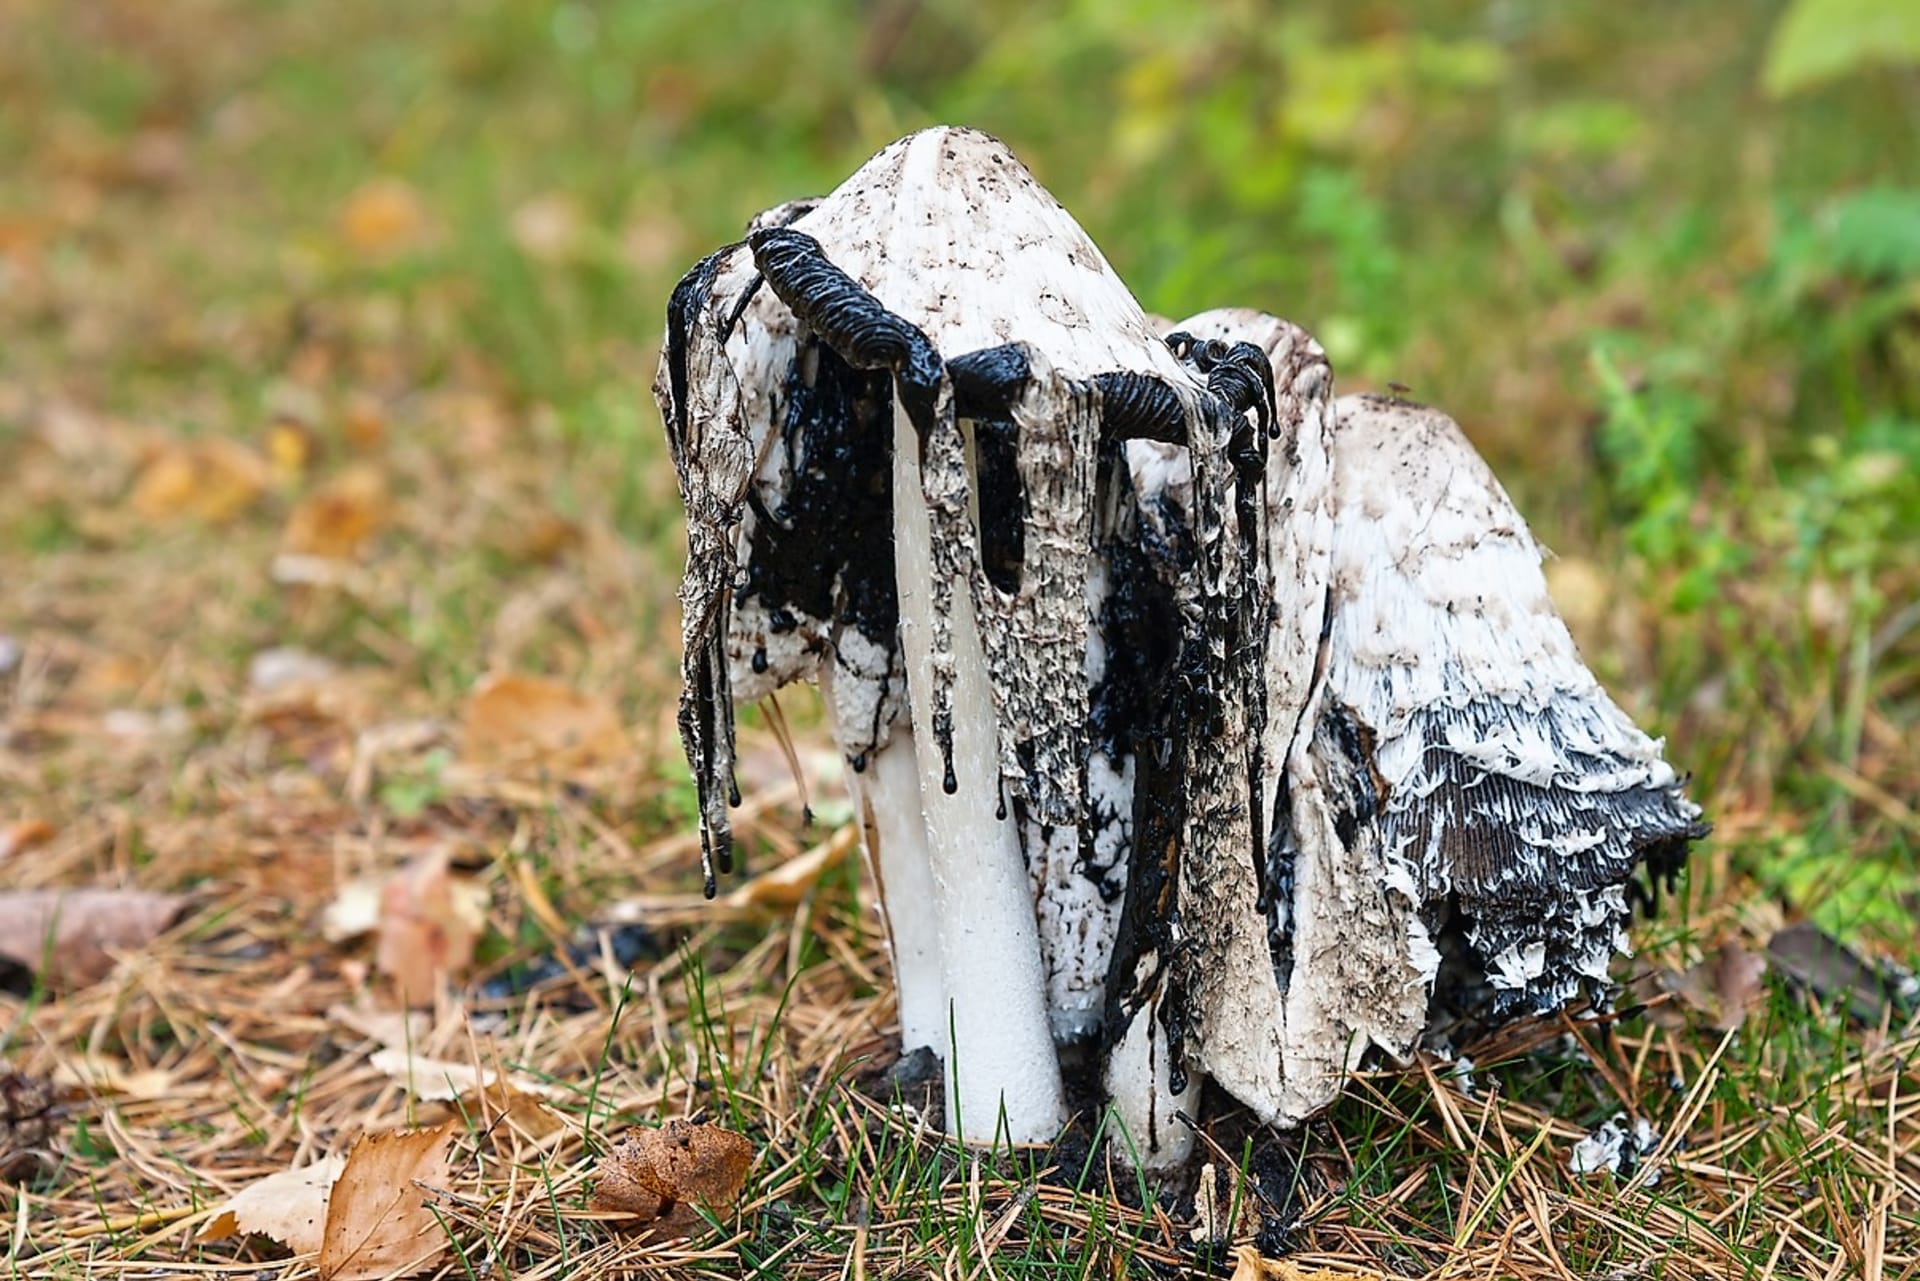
x=1661, y=260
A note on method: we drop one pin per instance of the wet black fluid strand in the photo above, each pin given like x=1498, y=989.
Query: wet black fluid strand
x=867, y=336
x=1140, y=708
x=1137, y=406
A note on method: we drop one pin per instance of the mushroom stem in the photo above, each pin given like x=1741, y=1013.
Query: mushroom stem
x=1141, y=1097
x=1003, y=1080
x=894, y=826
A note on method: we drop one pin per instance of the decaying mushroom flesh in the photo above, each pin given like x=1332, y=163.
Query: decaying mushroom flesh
x=1195, y=718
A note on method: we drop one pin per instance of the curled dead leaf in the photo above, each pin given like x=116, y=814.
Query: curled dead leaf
x=69, y=937
x=377, y=1221
x=97, y=1074
x=428, y=923
x=364, y=423
x=661, y=1176
x=18, y=838
x=519, y=720
x=1724, y=988
x=26, y=1119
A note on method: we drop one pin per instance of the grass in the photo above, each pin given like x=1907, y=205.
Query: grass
x=253, y=254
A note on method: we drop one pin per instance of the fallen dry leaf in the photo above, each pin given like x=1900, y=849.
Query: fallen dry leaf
x=355, y=910
x=26, y=1119
x=286, y=667
x=378, y=1223
x=786, y=884
x=289, y=1206
x=1739, y=978
x=1725, y=987
x=98, y=1074
x=387, y=1027
x=444, y=1080
x=523, y=1113
x=335, y=521
x=291, y=446
x=428, y=923
x=69, y=937
x=207, y=480
x=660, y=1176
x=512, y=719
x=18, y=838
x=777, y=889
x=383, y=217
x=364, y=423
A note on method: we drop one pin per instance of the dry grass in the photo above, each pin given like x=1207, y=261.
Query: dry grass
x=223, y=342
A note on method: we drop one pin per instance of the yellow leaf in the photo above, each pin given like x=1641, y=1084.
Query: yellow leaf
x=290, y=449
x=209, y=480
x=383, y=217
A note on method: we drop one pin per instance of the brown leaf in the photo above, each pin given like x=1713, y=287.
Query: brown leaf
x=428, y=923
x=1724, y=987
x=1739, y=978
x=364, y=423
x=660, y=1175
x=206, y=480
x=378, y=1223
x=289, y=1206
x=513, y=719
x=18, y=838
x=26, y=1119
x=336, y=520
x=74, y=933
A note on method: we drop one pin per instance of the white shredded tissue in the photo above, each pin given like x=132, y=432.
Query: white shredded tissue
x=1616, y=1146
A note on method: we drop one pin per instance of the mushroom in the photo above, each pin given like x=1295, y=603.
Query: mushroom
x=1194, y=719
x=898, y=415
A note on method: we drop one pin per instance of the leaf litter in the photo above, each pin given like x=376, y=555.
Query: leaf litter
x=664, y=1177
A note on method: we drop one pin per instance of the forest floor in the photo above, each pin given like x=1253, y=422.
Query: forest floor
x=338, y=644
